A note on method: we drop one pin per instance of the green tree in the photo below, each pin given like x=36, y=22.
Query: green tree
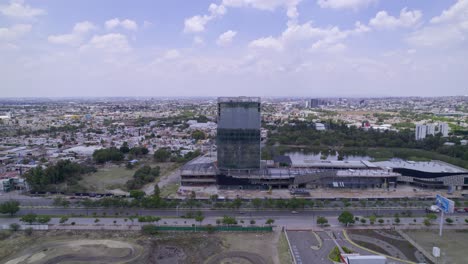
x=124, y=148
x=29, y=218
x=198, y=135
x=449, y=221
x=157, y=191
x=363, y=220
x=381, y=221
x=346, y=218
x=63, y=219
x=269, y=221
x=137, y=194
x=252, y=222
x=229, y=220
x=322, y=220
x=257, y=203
x=43, y=219
x=427, y=222
x=161, y=155
x=9, y=207
x=397, y=220
x=199, y=218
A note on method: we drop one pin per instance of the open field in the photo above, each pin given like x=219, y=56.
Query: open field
x=133, y=247
x=387, y=242
x=113, y=177
x=452, y=244
x=107, y=178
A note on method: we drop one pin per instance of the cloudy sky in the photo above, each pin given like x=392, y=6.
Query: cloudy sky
x=233, y=47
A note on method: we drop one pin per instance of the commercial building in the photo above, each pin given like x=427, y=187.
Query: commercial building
x=238, y=133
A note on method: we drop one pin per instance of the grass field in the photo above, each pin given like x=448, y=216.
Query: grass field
x=106, y=179
x=112, y=177
x=169, y=190
x=452, y=244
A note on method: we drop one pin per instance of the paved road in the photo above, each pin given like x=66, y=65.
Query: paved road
x=210, y=212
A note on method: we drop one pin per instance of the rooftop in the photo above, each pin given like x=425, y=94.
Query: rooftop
x=240, y=99
x=426, y=166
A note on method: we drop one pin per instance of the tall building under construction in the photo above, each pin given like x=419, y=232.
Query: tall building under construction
x=238, y=133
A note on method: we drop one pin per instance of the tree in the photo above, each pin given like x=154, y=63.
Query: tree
x=269, y=221
x=257, y=203
x=63, y=219
x=9, y=207
x=363, y=220
x=43, y=219
x=237, y=203
x=161, y=155
x=29, y=218
x=124, y=148
x=137, y=194
x=15, y=227
x=346, y=218
x=198, y=135
x=449, y=221
x=229, y=220
x=381, y=221
x=372, y=219
x=252, y=222
x=199, y=218
x=322, y=220
x=466, y=220
x=157, y=191
x=427, y=222
x=397, y=220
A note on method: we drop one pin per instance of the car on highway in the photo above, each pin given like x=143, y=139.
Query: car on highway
x=433, y=209
x=294, y=212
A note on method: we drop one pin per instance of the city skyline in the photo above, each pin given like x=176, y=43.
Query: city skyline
x=307, y=48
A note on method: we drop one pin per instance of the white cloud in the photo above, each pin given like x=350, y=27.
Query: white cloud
x=110, y=43
x=383, y=20
x=18, y=9
x=197, y=40
x=197, y=23
x=268, y=43
x=345, y=4
x=14, y=32
x=74, y=38
x=126, y=24
x=304, y=35
x=226, y=38
x=171, y=54
x=449, y=29
x=459, y=11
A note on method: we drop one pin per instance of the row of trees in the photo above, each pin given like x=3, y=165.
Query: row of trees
x=40, y=179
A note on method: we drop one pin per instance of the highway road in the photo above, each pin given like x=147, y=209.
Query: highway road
x=217, y=213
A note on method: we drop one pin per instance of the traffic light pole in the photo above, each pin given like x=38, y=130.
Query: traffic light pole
x=441, y=222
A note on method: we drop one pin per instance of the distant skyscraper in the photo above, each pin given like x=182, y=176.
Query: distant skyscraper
x=421, y=132
x=238, y=133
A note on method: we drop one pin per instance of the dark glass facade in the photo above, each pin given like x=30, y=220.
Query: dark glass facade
x=238, y=133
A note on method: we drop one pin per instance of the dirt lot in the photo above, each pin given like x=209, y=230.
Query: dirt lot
x=133, y=247
x=387, y=242
x=452, y=244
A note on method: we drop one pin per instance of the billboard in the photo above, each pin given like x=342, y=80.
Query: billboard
x=446, y=205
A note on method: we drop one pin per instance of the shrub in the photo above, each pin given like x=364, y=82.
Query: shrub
x=28, y=231
x=15, y=227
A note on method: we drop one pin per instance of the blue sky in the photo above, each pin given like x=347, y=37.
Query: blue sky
x=233, y=47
